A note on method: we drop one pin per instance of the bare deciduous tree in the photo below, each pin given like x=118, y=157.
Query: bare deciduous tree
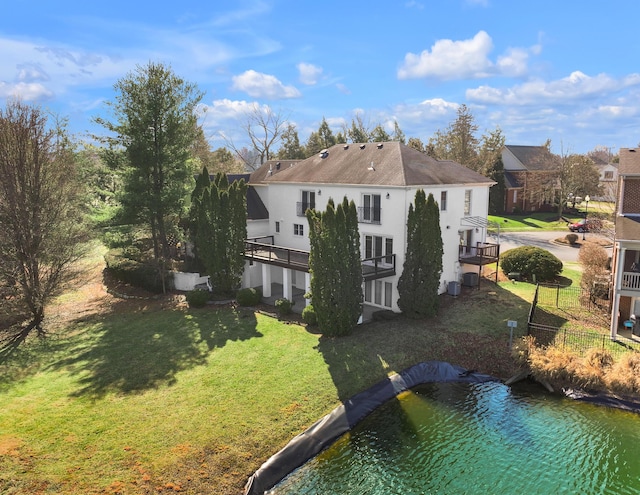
x=264, y=128
x=41, y=228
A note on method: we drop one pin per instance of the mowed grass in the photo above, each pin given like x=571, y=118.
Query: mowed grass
x=531, y=221
x=150, y=398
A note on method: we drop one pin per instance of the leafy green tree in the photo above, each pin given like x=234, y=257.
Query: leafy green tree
x=458, y=142
x=398, y=134
x=335, y=266
x=358, y=132
x=323, y=138
x=420, y=280
x=219, y=211
x=379, y=135
x=416, y=144
x=291, y=148
x=155, y=122
x=41, y=220
x=498, y=191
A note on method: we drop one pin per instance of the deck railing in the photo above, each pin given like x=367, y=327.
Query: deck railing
x=480, y=250
x=630, y=281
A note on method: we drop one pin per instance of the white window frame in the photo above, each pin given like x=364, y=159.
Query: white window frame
x=298, y=229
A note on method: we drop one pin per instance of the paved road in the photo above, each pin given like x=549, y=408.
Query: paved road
x=510, y=240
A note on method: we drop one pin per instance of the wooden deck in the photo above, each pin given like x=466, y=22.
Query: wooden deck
x=481, y=254
x=297, y=259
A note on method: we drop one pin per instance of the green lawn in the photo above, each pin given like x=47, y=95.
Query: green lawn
x=531, y=221
x=148, y=398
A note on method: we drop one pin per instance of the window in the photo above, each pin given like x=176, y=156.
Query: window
x=308, y=202
x=369, y=212
x=298, y=229
x=277, y=227
x=378, y=292
x=375, y=246
x=608, y=174
x=443, y=201
x=467, y=202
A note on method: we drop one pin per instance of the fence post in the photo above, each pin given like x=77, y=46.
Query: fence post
x=557, y=296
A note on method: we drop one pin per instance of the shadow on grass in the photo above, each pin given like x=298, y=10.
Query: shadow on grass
x=139, y=350
x=470, y=331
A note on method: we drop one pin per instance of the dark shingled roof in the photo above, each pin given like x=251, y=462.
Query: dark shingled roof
x=256, y=210
x=533, y=157
x=511, y=181
x=376, y=164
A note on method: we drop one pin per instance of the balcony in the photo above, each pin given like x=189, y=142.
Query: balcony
x=268, y=252
x=379, y=267
x=630, y=281
x=262, y=250
x=369, y=215
x=482, y=253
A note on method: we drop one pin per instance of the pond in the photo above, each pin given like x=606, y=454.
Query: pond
x=478, y=439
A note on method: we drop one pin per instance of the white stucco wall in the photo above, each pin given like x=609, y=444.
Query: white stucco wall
x=282, y=208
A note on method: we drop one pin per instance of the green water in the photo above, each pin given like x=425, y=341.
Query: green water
x=479, y=439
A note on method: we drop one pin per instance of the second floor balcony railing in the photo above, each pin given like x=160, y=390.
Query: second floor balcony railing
x=369, y=215
x=630, y=281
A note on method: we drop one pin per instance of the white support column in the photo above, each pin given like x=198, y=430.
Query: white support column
x=287, y=289
x=619, y=266
x=307, y=287
x=266, y=280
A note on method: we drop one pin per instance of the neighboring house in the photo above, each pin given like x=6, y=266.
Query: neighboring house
x=607, y=182
x=529, y=173
x=382, y=180
x=626, y=249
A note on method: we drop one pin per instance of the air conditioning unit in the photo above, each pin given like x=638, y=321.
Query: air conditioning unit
x=470, y=279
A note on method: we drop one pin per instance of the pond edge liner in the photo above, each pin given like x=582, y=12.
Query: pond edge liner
x=631, y=404
x=343, y=418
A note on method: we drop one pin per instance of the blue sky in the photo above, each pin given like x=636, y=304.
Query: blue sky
x=561, y=70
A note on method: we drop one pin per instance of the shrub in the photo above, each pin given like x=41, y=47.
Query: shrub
x=571, y=238
x=197, y=298
x=249, y=296
x=530, y=261
x=143, y=274
x=283, y=306
x=309, y=315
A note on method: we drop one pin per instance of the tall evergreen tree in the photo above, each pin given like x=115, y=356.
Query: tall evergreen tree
x=291, y=148
x=420, y=280
x=155, y=123
x=334, y=263
x=220, y=213
x=497, y=191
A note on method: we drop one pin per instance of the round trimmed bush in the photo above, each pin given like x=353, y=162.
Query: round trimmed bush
x=249, y=296
x=197, y=298
x=309, y=315
x=529, y=261
x=283, y=306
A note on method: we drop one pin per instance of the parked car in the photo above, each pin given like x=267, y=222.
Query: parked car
x=585, y=225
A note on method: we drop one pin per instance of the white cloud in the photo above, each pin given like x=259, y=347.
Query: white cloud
x=309, y=73
x=25, y=91
x=259, y=85
x=343, y=89
x=576, y=86
x=514, y=62
x=428, y=110
x=450, y=60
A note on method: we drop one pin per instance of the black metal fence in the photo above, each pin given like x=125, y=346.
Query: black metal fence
x=573, y=297
x=566, y=338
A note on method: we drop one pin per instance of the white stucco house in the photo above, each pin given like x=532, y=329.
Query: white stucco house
x=382, y=180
